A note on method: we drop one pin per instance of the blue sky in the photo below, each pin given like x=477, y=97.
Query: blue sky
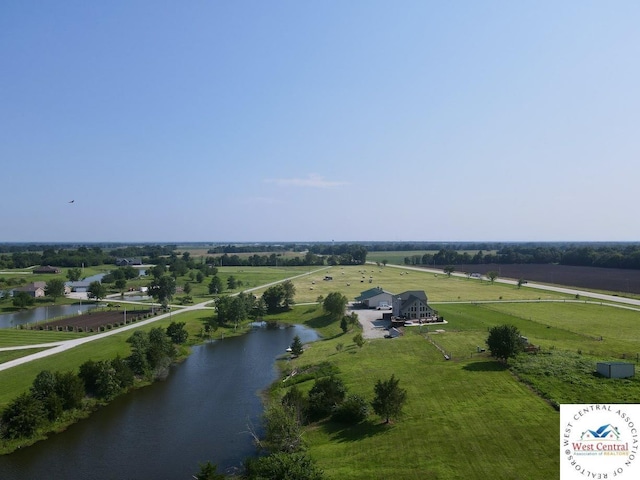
x=319, y=120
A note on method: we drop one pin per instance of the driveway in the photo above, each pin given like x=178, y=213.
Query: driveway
x=371, y=320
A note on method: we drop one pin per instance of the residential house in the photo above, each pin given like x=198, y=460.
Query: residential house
x=46, y=269
x=126, y=262
x=35, y=289
x=412, y=304
x=374, y=297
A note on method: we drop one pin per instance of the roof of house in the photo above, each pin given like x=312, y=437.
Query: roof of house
x=31, y=287
x=372, y=292
x=410, y=296
x=46, y=269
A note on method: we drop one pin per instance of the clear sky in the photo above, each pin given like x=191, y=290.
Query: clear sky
x=170, y=121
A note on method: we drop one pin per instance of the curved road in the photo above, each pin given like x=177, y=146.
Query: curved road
x=58, y=347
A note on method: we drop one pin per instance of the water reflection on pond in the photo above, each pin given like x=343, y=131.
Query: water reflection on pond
x=42, y=314
x=200, y=413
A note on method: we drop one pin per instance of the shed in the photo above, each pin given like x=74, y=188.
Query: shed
x=616, y=369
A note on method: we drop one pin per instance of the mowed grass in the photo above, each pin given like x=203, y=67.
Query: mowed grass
x=469, y=417
x=16, y=337
x=13, y=354
x=351, y=281
x=463, y=419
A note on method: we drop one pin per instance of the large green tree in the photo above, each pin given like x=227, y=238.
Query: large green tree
x=162, y=288
x=96, y=290
x=335, y=304
x=22, y=300
x=504, y=342
x=22, y=417
x=389, y=398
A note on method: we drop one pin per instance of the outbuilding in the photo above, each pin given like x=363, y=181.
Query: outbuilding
x=616, y=369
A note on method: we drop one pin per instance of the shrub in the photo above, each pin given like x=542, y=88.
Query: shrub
x=354, y=409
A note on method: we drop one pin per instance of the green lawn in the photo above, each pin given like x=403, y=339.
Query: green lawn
x=15, y=337
x=464, y=419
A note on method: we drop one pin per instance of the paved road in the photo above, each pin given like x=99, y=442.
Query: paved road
x=58, y=347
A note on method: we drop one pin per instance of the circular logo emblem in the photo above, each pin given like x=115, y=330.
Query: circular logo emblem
x=599, y=441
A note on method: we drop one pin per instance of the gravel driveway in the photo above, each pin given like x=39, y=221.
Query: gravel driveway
x=371, y=320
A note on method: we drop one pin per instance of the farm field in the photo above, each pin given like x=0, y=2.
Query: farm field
x=353, y=280
x=470, y=412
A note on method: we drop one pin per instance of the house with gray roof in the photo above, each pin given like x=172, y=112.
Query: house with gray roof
x=35, y=289
x=374, y=297
x=412, y=304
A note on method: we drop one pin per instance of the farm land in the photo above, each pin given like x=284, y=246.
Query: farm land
x=469, y=417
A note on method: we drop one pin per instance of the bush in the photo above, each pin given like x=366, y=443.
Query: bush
x=354, y=409
x=325, y=395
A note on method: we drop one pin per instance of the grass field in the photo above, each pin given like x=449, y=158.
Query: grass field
x=469, y=417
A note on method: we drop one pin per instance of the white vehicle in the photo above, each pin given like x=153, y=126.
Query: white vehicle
x=384, y=306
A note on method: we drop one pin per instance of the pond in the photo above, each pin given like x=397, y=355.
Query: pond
x=42, y=314
x=201, y=412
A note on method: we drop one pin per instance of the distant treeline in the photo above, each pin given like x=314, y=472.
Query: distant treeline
x=80, y=256
x=609, y=256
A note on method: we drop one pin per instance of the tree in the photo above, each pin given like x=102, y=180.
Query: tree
x=289, y=291
x=278, y=466
x=354, y=409
x=96, y=290
x=389, y=398
x=324, y=396
x=121, y=284
x=187, y=288
x=209, y=471
x=273, y=297
x=344, y=324
x=296, y=346
x=282, y=429
x=70, y=389
x=521, y=281
x=215, y=285
x=73, y=274
x=162, y=288
x=449, y=269
x=335, y=304
x=232, y=282
x=492, y=275
x=358, y=339
x=54, y=288
x=43, y=389
x=177, y=332
x=22, y=300
x=504, y=342
x=22, y=417
x=138, y=359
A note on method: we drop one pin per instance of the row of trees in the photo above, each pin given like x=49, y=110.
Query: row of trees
x=54, y=393
x=622, y=256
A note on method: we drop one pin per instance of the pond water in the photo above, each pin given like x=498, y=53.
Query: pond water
x=200, y=413
x=41, y=314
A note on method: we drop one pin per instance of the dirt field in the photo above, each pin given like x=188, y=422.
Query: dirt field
x=95, y=321
x=611, y=279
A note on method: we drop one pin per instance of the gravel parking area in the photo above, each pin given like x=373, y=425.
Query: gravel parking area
x=371, y=320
